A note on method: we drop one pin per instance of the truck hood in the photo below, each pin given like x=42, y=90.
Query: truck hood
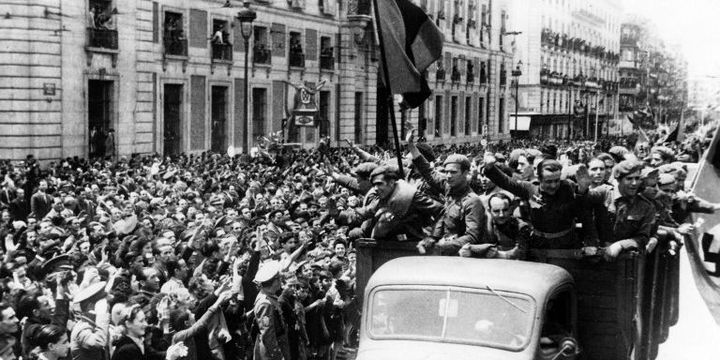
x=424, y=350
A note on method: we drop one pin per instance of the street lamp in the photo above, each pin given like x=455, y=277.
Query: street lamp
x=516, y=77
x=246, y=16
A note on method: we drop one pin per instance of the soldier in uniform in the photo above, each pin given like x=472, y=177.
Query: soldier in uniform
x=554, y=204
x=272, y=340
x=396, y=210
x=632, y=216
x=463, y=219
x=507, y=236
x=89, y=337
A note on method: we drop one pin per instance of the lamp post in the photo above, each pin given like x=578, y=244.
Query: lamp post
x=246, y=16
x=516, y=77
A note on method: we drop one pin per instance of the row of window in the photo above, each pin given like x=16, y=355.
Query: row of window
x=222, y=41
x=467, y=67
x=553, y=102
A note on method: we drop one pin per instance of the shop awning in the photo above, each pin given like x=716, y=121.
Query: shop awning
x=523, y=123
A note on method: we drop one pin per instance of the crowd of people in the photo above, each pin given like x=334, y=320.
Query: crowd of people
x=208, y=256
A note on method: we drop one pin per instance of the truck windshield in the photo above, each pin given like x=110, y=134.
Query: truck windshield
x=455, y=315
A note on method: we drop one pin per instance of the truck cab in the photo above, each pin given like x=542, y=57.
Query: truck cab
x=422, y=307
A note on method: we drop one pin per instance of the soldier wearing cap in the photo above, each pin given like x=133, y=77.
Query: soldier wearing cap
x=272, y=340
x=463, y=219
x=89, y=336
x=632, y=216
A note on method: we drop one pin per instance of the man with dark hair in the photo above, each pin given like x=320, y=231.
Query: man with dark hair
x=402, y=210
x=394, y=211
x=507, y=236
x=552, y=205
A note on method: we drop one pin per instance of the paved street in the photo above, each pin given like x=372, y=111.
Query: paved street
x=696, y=336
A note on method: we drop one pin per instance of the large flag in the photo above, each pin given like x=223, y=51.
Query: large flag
x=412, y=43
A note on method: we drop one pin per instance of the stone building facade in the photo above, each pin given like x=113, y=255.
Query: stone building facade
x=470, y=99
x=167, y=75
x=569, y=67
x=653, y=76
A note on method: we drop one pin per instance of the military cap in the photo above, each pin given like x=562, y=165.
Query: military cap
x=459, y=159
x=626, y=167
x=364, y=169
x=666, y=179
x=386, y=170
x=89, y=292
x=267, y=272
x=56, y=264
x=665, y=152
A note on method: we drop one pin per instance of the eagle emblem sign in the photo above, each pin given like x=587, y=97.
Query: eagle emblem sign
x=305, y=106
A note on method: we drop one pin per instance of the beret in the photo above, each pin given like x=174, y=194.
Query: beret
x=649, y=172
x=267, y=272
x=666, y=179
x=386, y=170
x=459, y=159
x=626, y=167
x=365, y=168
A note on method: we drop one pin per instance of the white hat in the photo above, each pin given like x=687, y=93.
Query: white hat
x=267, y=272
x=89, y=292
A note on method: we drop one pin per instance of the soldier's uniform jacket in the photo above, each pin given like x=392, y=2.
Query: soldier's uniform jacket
x=272, y=341
x=632, y=217
x=552, y=216
x=463, y=220
x=88, y=341
x=512, y=235
x=409, y=211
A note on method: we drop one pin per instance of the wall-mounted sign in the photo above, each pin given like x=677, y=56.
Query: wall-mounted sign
x=305, y=104
x=49, y=89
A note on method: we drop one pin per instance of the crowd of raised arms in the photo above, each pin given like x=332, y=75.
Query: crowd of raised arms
x=208, y=256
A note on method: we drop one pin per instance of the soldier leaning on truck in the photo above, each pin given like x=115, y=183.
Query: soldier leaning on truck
x=554, y=203
x=632, y=216
x=395, y=210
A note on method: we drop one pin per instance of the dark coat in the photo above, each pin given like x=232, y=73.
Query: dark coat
x=127, y=349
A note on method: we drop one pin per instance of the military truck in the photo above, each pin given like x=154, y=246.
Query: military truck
x=616, y=310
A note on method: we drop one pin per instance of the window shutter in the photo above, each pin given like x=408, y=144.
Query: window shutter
x=156, y=22
x=311, y=44
x=198, y=29
x=278, y=39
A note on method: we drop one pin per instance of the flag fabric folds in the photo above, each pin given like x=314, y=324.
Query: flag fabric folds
x=412, y=43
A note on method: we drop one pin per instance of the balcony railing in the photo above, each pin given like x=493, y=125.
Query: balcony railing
x=297, y=59
x=175, y=46
x=222, y=52
x=261, y=54
x=327, y=62
x=103, y=38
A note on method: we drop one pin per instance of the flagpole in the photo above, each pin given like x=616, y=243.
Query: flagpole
x=386, y=77
x=597, y=112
